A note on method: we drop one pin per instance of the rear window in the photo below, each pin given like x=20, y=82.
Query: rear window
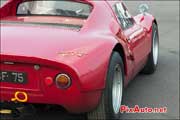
x=54, y=8
x=2, y=2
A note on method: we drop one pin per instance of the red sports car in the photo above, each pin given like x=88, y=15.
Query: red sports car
x=78, y=54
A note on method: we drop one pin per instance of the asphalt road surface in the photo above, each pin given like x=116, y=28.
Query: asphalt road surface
x=160, y=89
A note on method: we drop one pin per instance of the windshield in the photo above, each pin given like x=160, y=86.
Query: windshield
x=54, y=8
x=2, y=2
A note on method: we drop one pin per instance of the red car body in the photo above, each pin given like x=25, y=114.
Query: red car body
x=83, y=54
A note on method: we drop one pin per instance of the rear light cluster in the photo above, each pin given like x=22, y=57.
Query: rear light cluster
x=62, y=81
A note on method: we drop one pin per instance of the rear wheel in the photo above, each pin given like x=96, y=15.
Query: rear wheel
x=109, y=106
x=152, y=62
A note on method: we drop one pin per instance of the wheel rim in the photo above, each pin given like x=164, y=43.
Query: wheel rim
x=155, y=48
x=117, y=89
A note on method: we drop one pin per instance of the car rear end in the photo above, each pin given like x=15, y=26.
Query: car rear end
x=32, y=79
x=44, y=82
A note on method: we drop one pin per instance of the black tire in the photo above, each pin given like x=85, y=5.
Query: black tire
x=104, y=110
x=151, y=65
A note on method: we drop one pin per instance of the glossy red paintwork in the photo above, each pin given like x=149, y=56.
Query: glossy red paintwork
x=82, y=54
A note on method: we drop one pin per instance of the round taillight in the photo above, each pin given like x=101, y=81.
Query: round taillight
x=48, y=81
x=63, y=81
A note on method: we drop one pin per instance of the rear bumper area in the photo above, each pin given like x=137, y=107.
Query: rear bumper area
x=72, y=100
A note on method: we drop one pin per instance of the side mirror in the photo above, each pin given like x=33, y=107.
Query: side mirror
x=143, y=8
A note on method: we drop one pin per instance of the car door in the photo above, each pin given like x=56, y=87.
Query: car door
x=135, y=36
